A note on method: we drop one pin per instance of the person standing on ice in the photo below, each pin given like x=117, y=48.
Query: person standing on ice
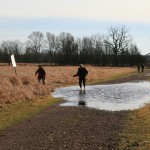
x=82, y=73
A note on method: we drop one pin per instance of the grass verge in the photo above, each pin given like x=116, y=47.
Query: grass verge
x=135, y=134
x=111, y=78
x=14, y=113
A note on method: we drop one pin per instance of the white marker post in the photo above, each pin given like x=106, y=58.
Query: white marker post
x=13, y=63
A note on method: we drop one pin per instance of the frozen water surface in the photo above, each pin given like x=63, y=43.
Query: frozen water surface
x=114, y=97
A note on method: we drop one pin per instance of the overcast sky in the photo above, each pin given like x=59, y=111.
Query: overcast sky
x=18, y=18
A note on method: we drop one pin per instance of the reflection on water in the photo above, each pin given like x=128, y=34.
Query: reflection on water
x=81, y=99
x=113, y=97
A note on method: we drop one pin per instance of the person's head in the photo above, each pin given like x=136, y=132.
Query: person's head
x=40, y=66
x=81, y=65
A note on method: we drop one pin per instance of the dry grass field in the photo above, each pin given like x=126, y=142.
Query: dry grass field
x=24, y=86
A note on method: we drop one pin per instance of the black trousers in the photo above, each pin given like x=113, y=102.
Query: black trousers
x=80, y=82
x=41, y=78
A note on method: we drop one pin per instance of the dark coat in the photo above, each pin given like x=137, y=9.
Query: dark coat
x=82, y=72
x=41, y=73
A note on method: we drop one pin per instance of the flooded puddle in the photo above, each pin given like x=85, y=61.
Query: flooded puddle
x=114, y=97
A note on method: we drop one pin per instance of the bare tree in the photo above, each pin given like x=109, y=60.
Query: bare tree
x=66, y=41
x=36, y=41
x=118, y=40
x=53, y=44
x=6, y=51
x=6, y=47
x=10, y=47
x=97, y=49
x=50, y=39
x=135, y=57
x=17, y=47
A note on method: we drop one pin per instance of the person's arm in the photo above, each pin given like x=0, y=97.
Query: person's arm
x=36, y=72
x=86, y=72
x=44, y=73
x=76, y=74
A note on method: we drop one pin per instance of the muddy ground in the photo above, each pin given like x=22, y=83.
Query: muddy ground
x=69, y=128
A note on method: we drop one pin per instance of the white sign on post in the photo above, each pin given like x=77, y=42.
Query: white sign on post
x=13, y=61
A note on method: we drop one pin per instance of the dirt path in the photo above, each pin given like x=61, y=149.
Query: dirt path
x=68, y=128
x=133, y=78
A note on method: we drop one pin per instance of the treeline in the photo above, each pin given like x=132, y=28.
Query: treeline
x=114, y=49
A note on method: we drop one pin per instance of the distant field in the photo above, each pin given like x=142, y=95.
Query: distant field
x=24, y=86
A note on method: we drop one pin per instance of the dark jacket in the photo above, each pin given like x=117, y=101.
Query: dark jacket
x=41, y=73
x=82, y=72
